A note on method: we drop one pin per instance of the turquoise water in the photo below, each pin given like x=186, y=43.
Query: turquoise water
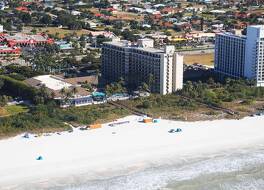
x=98, y=94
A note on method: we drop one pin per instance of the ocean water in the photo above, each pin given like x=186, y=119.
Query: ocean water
x=236, y=170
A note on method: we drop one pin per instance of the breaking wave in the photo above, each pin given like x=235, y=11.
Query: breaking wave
x=240, y=170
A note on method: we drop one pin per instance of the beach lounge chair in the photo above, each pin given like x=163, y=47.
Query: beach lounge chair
x=175, y=130
x=39, y=158
x=26, y=135
x=178, y=130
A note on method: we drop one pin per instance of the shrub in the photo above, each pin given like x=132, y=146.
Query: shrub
x=146, y=104
x=17, y=88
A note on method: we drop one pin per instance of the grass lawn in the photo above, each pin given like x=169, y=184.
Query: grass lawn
x=204, y=59
x=61, y=31
x=12, y=110
x=128, y=16
x=3, y=112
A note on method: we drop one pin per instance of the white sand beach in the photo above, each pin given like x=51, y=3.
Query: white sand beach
x=103, y=152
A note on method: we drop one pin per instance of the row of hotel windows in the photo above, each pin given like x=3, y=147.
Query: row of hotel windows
x=112, y=47
x=115, y=54
x=145, y=53
x=131, y=59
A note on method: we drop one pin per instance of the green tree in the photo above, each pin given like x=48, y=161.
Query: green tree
x=151, y=81
x=146, y=104
x=46, y=19
x=145, y=87
x=25, y=18
x=1, y=83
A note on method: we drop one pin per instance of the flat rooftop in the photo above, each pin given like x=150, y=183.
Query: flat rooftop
x=25, y=37
x=232, y=35
x=127, y=44
x=122, y=43
x=152, y=50
x=257, y=26
x=53, y=82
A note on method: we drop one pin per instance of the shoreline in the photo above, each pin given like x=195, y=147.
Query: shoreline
x=135, y=146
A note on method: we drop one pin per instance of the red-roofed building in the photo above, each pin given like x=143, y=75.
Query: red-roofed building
x=22, y=9
x=25, y=3
x=11, y=51
x=98, y=15
x=23, y=40
x=241, y=25
x=2, y=37
x=156, y=16
x=170, y=10
x=167, y=24
x=113, y=10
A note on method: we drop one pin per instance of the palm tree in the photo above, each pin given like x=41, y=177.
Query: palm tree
x=63, y=91
x=1, y=83
x=52, y=95
x=43, y=92
x=68, y=95
x=151, y=81
x=74, y=90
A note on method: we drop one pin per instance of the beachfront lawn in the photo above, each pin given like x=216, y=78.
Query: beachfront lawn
x=12, y=110
x=16, y=109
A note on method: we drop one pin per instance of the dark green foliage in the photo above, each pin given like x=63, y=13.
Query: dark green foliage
x=4, y=99
x=17, y=76
x=66, y=19
x=24, y=71
x=49, y=116
x=146, y=104
x=17, y=88
x=129, y=35
x=116, y=87
x=46, y=19
x=25, y=17
x=216, y=93
x=167, y=102
x=100, y=39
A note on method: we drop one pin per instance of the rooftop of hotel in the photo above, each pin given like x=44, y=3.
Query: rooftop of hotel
x=257, y=26
x=152, y=50
x=125, y=43
x=233, y=35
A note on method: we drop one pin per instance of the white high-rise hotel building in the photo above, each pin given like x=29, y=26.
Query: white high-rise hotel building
x=136, y=62
x=241, y=56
